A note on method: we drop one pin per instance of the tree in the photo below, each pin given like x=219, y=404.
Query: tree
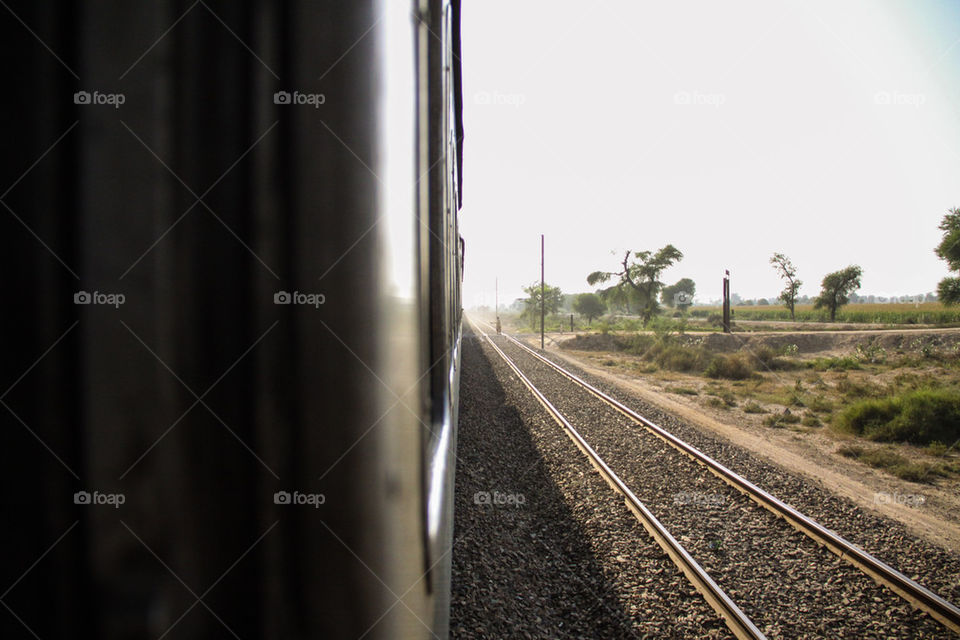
x=642, y=275
x=948, y=291
x=669, y=294
x=531, y=305
x=787, y=272
x=619, y=298
x=589, y=305
x=836, y=287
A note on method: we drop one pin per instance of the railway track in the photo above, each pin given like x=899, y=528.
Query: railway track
x=663, y=450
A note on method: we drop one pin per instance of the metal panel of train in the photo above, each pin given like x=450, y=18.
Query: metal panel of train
x=231, y=318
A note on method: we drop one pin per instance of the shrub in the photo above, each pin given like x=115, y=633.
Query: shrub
x=937, y=448
x=866, y=416
x=926, y=415
x=850, y=451
x=781, y=419
x=920, y=416
x=892, y=462
x=753, y=407
x=683, y=391
x=820, y=404
x=834, y=364
x=898, y=465
x=790, y=350
x=680, y=358
x=810, y=420
x=735, y=366
x=915, y=472
x=768, y=358
x=873, y=353
x=794, y=399
x=882, y=458
x=765, y=355
x=641, y=345
x=855, y=389
x=716, y=402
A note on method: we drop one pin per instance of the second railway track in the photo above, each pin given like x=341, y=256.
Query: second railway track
x=783, y=580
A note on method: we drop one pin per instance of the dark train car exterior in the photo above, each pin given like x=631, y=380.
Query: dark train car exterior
x=231, y=318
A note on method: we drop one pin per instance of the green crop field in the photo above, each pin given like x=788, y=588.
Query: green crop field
x=880, y=313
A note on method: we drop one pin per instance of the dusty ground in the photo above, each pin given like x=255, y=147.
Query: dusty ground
x=930, y=510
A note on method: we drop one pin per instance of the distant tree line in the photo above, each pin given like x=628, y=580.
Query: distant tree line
x=636, y=286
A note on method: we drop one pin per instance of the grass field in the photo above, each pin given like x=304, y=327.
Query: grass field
x=895, y=313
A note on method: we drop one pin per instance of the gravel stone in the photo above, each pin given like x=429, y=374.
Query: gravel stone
x=784, y=581
x=553, y=552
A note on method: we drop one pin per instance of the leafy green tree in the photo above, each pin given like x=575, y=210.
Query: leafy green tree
x=553, y=298
x=642, y=275
x=589, y=305
x=836, y=287
x=683, y=285
x=788, y=272
x=948, y=290
x=619, y=298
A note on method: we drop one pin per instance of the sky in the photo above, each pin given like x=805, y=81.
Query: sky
x=825, y=130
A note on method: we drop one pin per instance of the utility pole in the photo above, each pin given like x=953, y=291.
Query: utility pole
x=542, y=292
x=726, y=301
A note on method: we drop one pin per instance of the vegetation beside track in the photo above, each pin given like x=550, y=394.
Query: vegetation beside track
x=896, y=409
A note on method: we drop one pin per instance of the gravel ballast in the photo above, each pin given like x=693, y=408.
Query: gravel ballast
x=543, y=548
x=931, y=565
x=785, y=582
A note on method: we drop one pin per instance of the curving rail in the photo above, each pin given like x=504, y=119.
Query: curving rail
x=736, y=620
x=920, y=596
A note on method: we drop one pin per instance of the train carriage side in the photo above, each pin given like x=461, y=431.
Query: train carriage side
x=356, y=198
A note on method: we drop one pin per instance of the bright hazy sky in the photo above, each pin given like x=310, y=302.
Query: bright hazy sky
x=826, y=130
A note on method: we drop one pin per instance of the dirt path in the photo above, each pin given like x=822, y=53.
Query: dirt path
x=811, y=455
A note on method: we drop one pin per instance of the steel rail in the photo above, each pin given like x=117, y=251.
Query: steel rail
x=915, y=593
x=737, y=621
